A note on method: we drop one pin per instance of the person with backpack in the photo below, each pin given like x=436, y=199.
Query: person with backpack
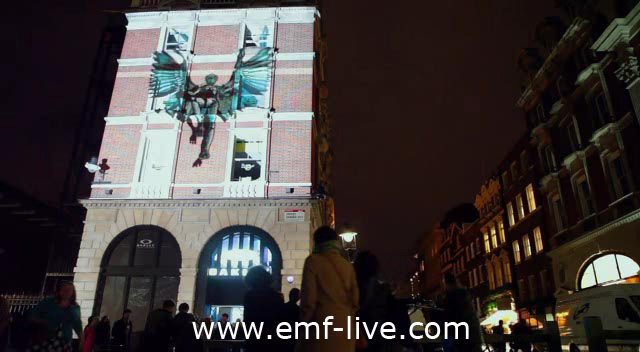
x=329, y=288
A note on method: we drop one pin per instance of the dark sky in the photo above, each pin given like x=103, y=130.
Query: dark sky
x=423, y=101
x=422, y=96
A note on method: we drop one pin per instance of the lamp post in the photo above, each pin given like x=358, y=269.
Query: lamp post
x=349, y=244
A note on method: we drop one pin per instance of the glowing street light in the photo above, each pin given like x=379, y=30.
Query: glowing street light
x=349, y=243
x=348, y=239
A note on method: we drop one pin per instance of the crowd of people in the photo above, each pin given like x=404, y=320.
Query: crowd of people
x=331, y=286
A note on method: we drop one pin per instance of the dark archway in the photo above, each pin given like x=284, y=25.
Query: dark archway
x=139, y=270
x=225, y=259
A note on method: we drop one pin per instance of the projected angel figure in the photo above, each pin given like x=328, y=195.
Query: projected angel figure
x=198, y=105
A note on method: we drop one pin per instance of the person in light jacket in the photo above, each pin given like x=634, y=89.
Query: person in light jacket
x=329, y=288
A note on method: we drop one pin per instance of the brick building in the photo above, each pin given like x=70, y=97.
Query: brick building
x=579, y=96
x=171, y=216
x=489, y=240
x=527, y=233
x=429, y=263
x=562, y=212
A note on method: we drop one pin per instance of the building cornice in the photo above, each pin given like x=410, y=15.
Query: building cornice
x=570, y=36
x=619, y=31
x=216, y=17
x=593, y=235
x=195, y=203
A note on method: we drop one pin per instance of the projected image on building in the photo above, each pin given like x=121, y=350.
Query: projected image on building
x=199, y=104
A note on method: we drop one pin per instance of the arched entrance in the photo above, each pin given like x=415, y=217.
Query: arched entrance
x=224, y=261
x=140, y=269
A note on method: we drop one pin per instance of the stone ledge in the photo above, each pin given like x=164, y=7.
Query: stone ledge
x=195, y=203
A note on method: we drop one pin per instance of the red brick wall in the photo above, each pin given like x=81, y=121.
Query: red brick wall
x=129, y=96
x=290, y=153
x=295, y=37
x=216, y=40
x=212, y=169
x=292, y=93
x=250, y=124
x=120, y=148
x=140, y=43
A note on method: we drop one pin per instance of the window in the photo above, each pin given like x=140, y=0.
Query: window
x=503, y=237
x=478, y=245
x=142, y=270
x=258, y=35
x=487, y=246
x=512, y=219
x=177, y=39
x=606, y=269
x=473, y=249
x=527, y=246
x=470, y=279
x=625, y=311
x=531, y=198
x=572, y=133
x=154, y=171
x=558, y=212
x=540, y=113
x=498, y=269
x=520, y=205
x=584, y=195
x=619, y=177
x=505, y=180
x=247, y=159
x=533, y=287
x=480, y=274
x=546, y=154
x=601, y=109
x=562, y=86
x=490, y=277
x=514, y=171
x=522, y=288
x=516, y=251
x=475, y=277
x=524, y=161
x=537, y=238
x=543, y=283
x=494, y=237
x=506, y=267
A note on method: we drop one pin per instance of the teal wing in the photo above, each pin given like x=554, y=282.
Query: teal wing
x=250, y=79
x=255, y=73
x=169, y=79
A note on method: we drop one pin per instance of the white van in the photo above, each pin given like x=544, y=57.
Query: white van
x=618, y=306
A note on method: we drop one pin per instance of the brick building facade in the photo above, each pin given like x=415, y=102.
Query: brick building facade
x=165, y=222
x=562, y=212
x=579, y=97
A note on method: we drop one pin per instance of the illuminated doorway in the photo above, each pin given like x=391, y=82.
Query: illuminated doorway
x=224, y=262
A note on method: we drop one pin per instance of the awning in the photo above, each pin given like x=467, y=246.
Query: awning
x=508, y=317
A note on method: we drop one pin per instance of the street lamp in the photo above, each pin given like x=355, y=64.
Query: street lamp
x=349, y=243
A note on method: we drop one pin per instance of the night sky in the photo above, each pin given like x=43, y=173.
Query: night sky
x=422, y=98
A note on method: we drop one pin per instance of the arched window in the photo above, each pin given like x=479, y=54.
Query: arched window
x=607, y=268
x=223, y=263
x=140, y=270
x=238, y=252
